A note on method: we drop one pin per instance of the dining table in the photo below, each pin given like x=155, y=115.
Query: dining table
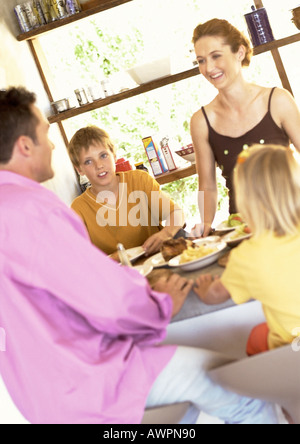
x=193, y=306
x=223, y=328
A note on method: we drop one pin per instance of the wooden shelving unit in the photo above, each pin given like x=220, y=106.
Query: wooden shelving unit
x=45, y=71
x=146, y=87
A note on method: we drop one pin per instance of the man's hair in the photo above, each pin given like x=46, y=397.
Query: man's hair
x=84, y=138
x=16, y=119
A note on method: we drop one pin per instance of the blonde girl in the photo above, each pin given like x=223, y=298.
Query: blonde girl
x=265, y=267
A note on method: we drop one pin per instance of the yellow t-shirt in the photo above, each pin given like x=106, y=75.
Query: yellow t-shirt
x=138, y=213
x=267, y=269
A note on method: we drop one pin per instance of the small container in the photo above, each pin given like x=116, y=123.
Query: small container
x=155, y=156
x=107, y=88
x=259, y=27
x=60, y=8
x=141, y=166
x=61, y=105
x=47, y=8
x=37, y=7
x=123, y=165
x=167, y=154
x=95, y=92
x=22, y=18
x=73, y=7
x=81, y=96
x=32, y=18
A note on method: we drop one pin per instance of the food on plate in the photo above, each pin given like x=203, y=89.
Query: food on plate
x=196, y=252
x=174, y=247
x=241, y=231
x=235, y=220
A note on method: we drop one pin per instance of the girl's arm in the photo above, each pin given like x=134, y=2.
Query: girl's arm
x=211, y=290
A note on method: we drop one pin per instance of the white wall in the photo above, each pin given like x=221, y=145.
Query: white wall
x=17, y=68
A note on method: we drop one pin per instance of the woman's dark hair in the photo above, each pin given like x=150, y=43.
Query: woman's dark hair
x=16, y=119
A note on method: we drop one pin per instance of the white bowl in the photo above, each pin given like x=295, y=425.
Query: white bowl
x=187, y=153
x=150, y=71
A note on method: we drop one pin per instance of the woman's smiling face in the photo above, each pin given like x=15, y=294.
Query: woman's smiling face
x=217, y=62
x=98, y=164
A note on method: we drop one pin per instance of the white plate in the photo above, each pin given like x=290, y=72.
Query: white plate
x=156, y=261
x=203, y=261
x=207, y=240
x=233, y=241
x=224, y=227
x=135, y=253
x=144, y=269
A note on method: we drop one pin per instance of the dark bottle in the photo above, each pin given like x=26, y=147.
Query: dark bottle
x=141, y=166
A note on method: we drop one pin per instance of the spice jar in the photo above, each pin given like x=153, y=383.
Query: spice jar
x=141, y=166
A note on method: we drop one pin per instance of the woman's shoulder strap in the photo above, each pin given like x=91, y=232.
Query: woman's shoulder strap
x=270, y=98
x=206, y=118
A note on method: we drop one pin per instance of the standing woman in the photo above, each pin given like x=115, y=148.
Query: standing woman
x=242, y=113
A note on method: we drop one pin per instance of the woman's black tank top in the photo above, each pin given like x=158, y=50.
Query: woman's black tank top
x=226, y=149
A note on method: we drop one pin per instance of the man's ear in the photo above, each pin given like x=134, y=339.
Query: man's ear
x=24, y=146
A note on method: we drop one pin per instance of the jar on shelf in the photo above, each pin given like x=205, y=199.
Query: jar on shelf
x=141, y=166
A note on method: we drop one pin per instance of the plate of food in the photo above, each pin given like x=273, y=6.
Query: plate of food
x=169, y=249
x=202, y=253
x=237, y=236
x=233, y=221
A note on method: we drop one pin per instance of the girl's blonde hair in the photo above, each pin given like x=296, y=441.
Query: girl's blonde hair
x=232, y=36
x=267, y=187
x=84, y=138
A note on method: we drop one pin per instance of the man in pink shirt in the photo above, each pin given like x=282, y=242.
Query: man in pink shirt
x=82, y=333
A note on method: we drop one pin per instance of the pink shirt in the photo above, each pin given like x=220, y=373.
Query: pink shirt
x=81, y=331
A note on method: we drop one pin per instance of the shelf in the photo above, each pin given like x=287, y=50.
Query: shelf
x=106, y=4
x=146, y=87
x=276, y=44
x=160, y=82
x=180, y=173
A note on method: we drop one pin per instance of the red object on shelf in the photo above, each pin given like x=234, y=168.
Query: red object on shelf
x=123, y=165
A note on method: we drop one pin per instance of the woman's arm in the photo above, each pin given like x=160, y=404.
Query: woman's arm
x=286, y=114
x=206, y=168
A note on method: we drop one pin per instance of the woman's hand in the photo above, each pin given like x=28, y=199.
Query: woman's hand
x=200, y=230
